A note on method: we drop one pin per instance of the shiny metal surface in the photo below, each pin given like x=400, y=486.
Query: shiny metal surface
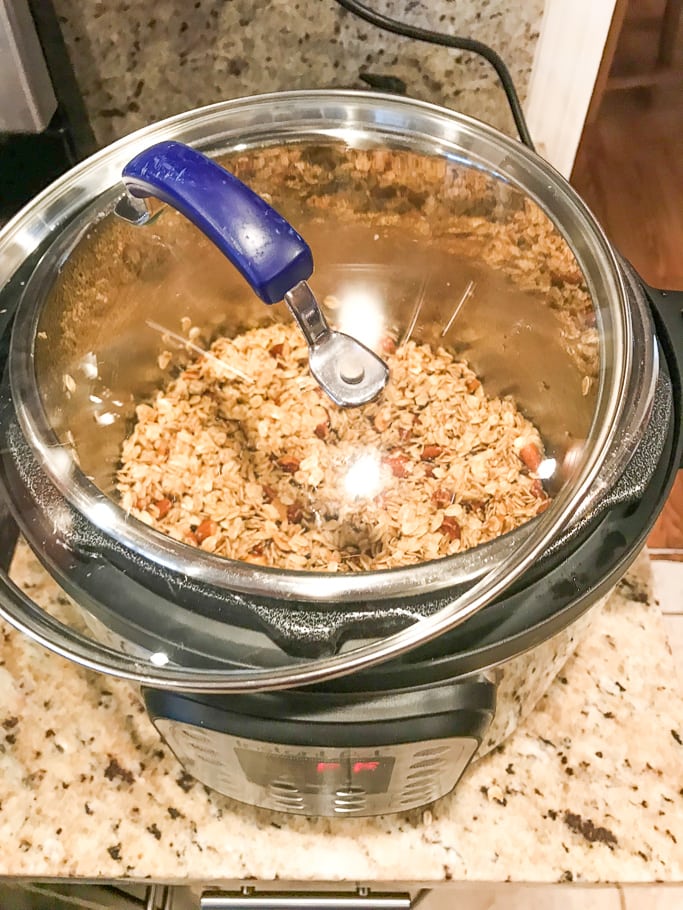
x=348, y=372
x=356, y=119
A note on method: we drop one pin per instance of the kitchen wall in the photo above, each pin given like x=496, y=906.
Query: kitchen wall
x=138, y=61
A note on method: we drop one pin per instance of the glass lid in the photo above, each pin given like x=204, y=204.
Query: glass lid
x=182, y=417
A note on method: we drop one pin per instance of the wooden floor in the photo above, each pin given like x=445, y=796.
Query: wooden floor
x=629, y=170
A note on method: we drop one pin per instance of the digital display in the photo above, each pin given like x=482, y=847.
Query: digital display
x=371, y=773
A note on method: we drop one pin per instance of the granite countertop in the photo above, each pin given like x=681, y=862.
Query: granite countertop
x=589, y=789
x=136, y=64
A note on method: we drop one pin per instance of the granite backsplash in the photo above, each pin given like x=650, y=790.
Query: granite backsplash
x=137, y=62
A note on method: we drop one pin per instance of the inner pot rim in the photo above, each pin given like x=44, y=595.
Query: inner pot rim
x=305, y=114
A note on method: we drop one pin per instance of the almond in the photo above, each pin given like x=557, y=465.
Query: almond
x=531, y=456
x=450, y=527
x=442, y=497
x=269, y=493
x=289, y=464
x=569, y=275
x=321, y=430
x=388, y=345
x=206, y=529
x=429, y=453
x=397, y=464
x=537, y=489
x=295, y=512
x=276, y=350
x=163, y=507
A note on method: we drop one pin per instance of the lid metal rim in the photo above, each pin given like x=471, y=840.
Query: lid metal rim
x=29, y=618
x=314, y=586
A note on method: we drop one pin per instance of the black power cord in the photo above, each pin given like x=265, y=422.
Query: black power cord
x=464, y=44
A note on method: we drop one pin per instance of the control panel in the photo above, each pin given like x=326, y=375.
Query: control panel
x=320, y=781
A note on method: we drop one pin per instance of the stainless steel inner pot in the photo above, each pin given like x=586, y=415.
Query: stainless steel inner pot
x=86, y=311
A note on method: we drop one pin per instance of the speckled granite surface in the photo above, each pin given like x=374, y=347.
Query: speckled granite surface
x=138, y=62
x=590, y=788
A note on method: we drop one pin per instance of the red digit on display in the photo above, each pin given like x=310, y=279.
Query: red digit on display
x=365, y=766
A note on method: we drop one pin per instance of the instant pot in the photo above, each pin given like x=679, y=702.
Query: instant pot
x=331, y=691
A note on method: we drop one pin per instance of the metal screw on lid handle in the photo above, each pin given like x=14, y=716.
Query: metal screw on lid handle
x=265, y=249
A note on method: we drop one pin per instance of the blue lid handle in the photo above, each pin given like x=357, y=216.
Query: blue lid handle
x=265, y=248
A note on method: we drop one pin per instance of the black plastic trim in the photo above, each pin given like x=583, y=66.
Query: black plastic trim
x=667, y=311
x=353, y=720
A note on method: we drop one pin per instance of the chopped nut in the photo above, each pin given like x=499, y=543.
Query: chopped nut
x=537, y=489
x=295, y=512
x=397, y=464
x=571, y=276
x=269, y=493
x=289, y=464
x=321, y=430
x=429, y=453
x=163, y=506
x=531, y=456
x=387, y=345
x=450, y=527
x=206, y=529
x=442, y=497
x=276, y=350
